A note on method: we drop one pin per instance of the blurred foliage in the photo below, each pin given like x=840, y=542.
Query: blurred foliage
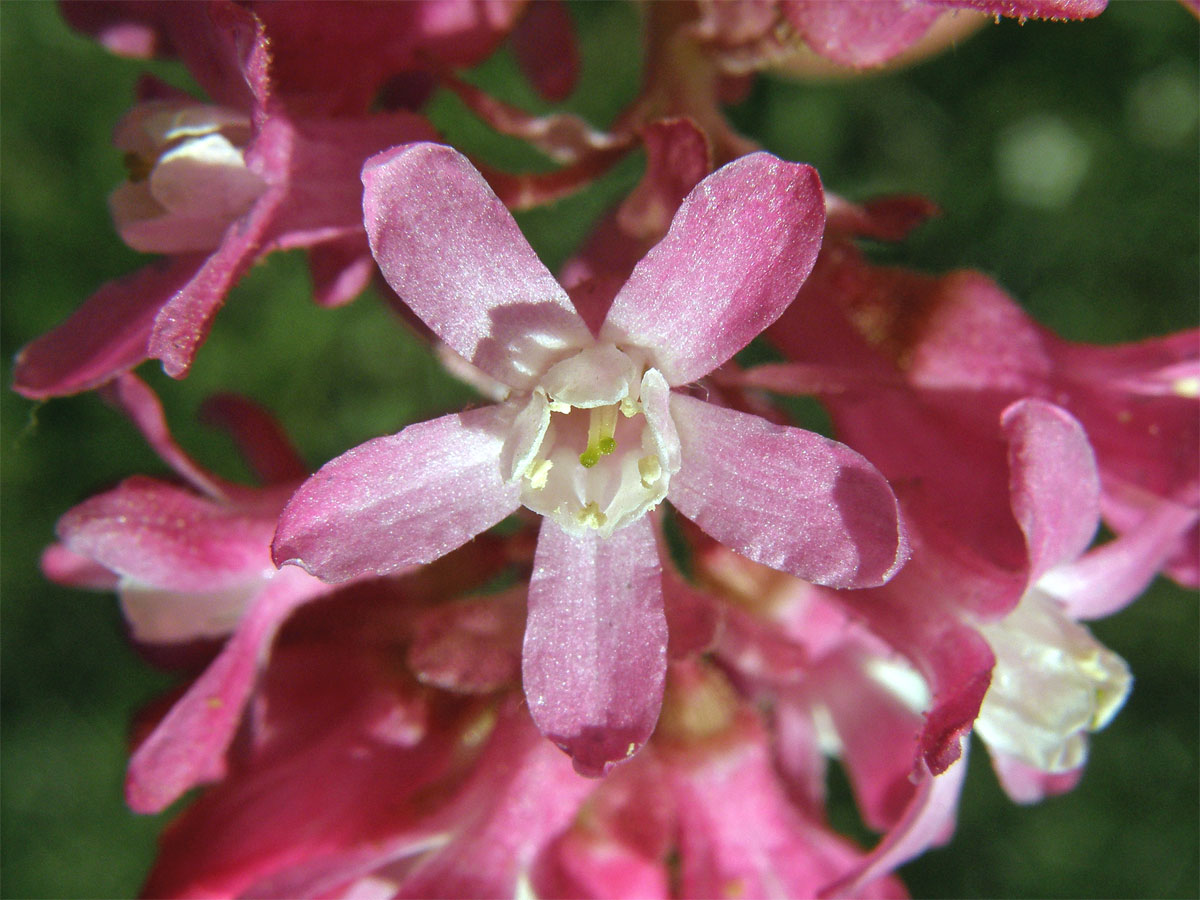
x=1065, y=159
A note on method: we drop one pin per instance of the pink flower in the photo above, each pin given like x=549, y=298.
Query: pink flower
x=596, y=431
x=215, y=186
x=855, y=33
x=189, y=563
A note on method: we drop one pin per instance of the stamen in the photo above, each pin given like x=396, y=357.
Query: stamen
x=538, y=472
x=630, y=408
x=558, y=406
x=602, y=426
x=591, y=516
x=650, y=469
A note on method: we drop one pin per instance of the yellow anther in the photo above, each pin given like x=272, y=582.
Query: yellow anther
x=650, y=469
x=602, y=426
x=538, y=472
x=558, y=406
x=630, y=408
x=591, y=516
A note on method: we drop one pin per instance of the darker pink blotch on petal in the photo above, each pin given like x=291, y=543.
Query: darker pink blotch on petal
x=596, y=642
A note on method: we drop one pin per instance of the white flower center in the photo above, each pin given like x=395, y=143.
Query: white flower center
x=593, y=444
x=1053, y=683
x=188, y=178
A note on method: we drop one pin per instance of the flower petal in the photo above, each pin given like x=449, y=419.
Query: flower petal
x=400, y=500
x=187, y=747
x=1055, y=486
x=738, y=249
x=596, y=642
x=165, y=537
x=451, y=250
x=784, y=497
x=928, y=821
x=107, y=335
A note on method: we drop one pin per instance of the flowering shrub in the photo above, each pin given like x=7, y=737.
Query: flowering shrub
x=621, y=627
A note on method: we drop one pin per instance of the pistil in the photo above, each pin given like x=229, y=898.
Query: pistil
x=602, y=428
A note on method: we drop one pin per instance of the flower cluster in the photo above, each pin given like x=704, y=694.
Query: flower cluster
x=603, y=632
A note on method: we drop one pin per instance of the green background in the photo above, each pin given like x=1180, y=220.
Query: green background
x=1065, y=158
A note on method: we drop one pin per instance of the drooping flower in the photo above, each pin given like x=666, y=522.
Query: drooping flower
x=189, y=563
x=939, y=359
x=215, y=185
x=597, y=430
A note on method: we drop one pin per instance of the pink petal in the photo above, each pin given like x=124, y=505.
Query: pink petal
x=861, y=34
x=62, y=566
x=596, y=642
x=928, y=821
x=520, y=795
x=400, y=500
x=341, y=270
x=693, y=617
x=108, y=335
x=739, y=833
x=323, y=160
x=1108, y=578
x=1055, y=486
x=185, y=319
x=786, y=498
x=188, y=746
x=452, y=251
x=1026, y=784
x=165, y=537
x=258, y=435
x=543, y=42
x=472, y=645
x=878, y=735
x=138, y=401
x=738, y=249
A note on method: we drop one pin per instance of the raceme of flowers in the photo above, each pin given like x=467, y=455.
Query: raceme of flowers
x=601, y=633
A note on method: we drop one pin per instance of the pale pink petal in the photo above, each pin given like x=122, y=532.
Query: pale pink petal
x=107, y=335
x=454, y=254
x=166, y=537
x=786, y=498
x=596, y=642
x=927, y=822
x=1107, y=579
x=738, y=249
x=1055, y=486
x=400, y=500
x=188, y=746
x=1026, y=784
x=137, y=400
